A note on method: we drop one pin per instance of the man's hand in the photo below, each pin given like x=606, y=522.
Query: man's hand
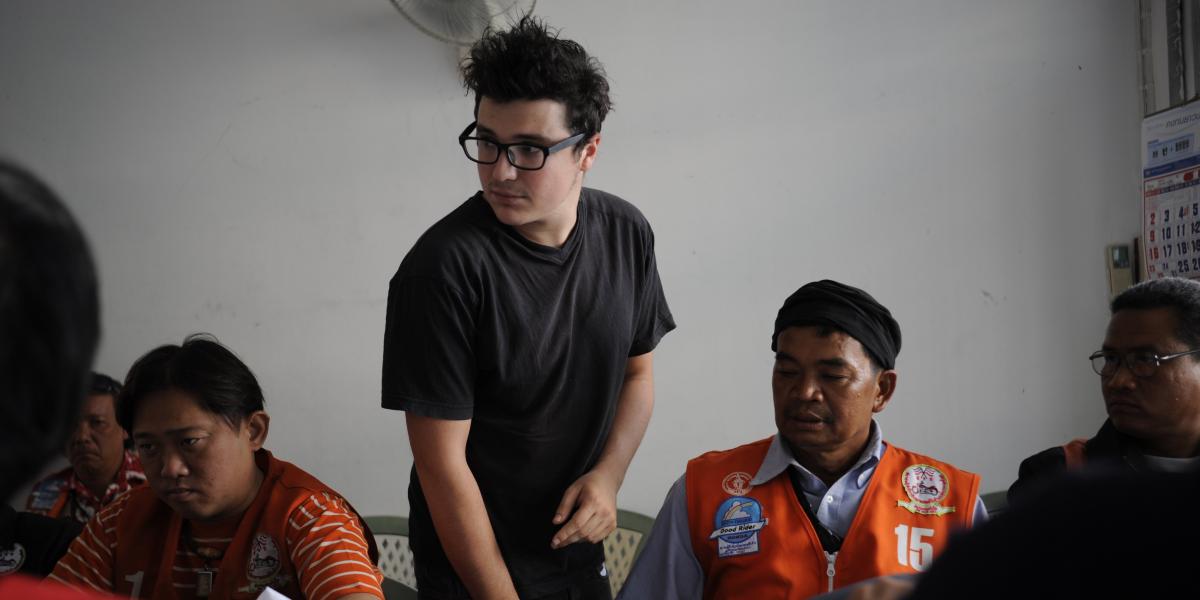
x=593, y=499
x=884, y=588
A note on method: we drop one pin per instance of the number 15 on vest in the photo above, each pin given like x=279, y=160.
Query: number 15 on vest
x=911, y=551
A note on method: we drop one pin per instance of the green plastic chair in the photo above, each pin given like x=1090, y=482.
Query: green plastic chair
x=621, y=549
x=995, y=502
x=395, y=558
x=622, y=546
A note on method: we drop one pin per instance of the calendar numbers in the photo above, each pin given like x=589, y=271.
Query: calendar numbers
x=1172, y=224
x=1170, y=166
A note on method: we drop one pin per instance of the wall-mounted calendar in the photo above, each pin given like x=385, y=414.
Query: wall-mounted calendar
x=1171, y=192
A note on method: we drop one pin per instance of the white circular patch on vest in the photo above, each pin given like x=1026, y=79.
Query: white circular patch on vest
x=924, y=483
x=12, y=558
x=264, y=561
x=926, y=487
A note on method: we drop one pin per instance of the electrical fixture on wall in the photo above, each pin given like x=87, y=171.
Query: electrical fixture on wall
x=462, y=22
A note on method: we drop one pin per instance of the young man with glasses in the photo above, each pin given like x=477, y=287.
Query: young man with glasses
x=519, y=336
x=1149, y=371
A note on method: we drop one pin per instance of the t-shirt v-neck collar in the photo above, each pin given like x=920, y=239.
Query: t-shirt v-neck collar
x=550, y=253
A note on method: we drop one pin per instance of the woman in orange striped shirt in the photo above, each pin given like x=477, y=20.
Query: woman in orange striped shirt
x=222, y=517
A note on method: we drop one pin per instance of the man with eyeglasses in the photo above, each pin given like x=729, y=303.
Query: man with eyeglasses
x=1149, y=368
x=1124, y=526
x=519, y=336
x=101, y=467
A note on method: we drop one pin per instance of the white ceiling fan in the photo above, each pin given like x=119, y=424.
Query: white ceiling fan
x=462, y=22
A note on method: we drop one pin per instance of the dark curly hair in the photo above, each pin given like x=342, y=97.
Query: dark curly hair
x=530, y=62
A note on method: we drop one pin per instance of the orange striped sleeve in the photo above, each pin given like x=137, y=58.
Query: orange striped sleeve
x=329, y=549
x=88, y=562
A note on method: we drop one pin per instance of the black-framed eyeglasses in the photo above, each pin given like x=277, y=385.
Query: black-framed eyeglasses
x=1142, y=364
x=522, y=155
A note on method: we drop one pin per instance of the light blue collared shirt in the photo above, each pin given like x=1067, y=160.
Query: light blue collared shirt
x=834, y=505
x=667, y=568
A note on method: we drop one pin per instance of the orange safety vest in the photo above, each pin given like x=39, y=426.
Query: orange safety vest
x=1075, y=453
x=757, y=542
x=148, y=535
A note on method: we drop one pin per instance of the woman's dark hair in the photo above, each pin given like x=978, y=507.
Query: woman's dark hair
x=530, y=62
x=49, y=324
x=220, y=382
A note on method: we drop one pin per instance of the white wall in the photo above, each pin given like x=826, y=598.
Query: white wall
x=258, y=170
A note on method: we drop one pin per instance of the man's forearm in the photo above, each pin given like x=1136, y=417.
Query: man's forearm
x=466, y=534
x=591, y=501
x=634, y=407
x=459, y=515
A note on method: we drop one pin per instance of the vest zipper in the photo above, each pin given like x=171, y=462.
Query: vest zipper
x=831, y=557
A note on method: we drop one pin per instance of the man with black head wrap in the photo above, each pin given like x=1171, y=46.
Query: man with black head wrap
x=823, y=503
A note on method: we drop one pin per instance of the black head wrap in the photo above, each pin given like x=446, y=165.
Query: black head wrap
x=847, y=309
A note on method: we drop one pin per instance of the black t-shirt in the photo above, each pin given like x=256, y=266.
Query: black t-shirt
x=531, y=343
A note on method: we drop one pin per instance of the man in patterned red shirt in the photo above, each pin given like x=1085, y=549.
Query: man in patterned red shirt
x=221, y=517
x=101, y=468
